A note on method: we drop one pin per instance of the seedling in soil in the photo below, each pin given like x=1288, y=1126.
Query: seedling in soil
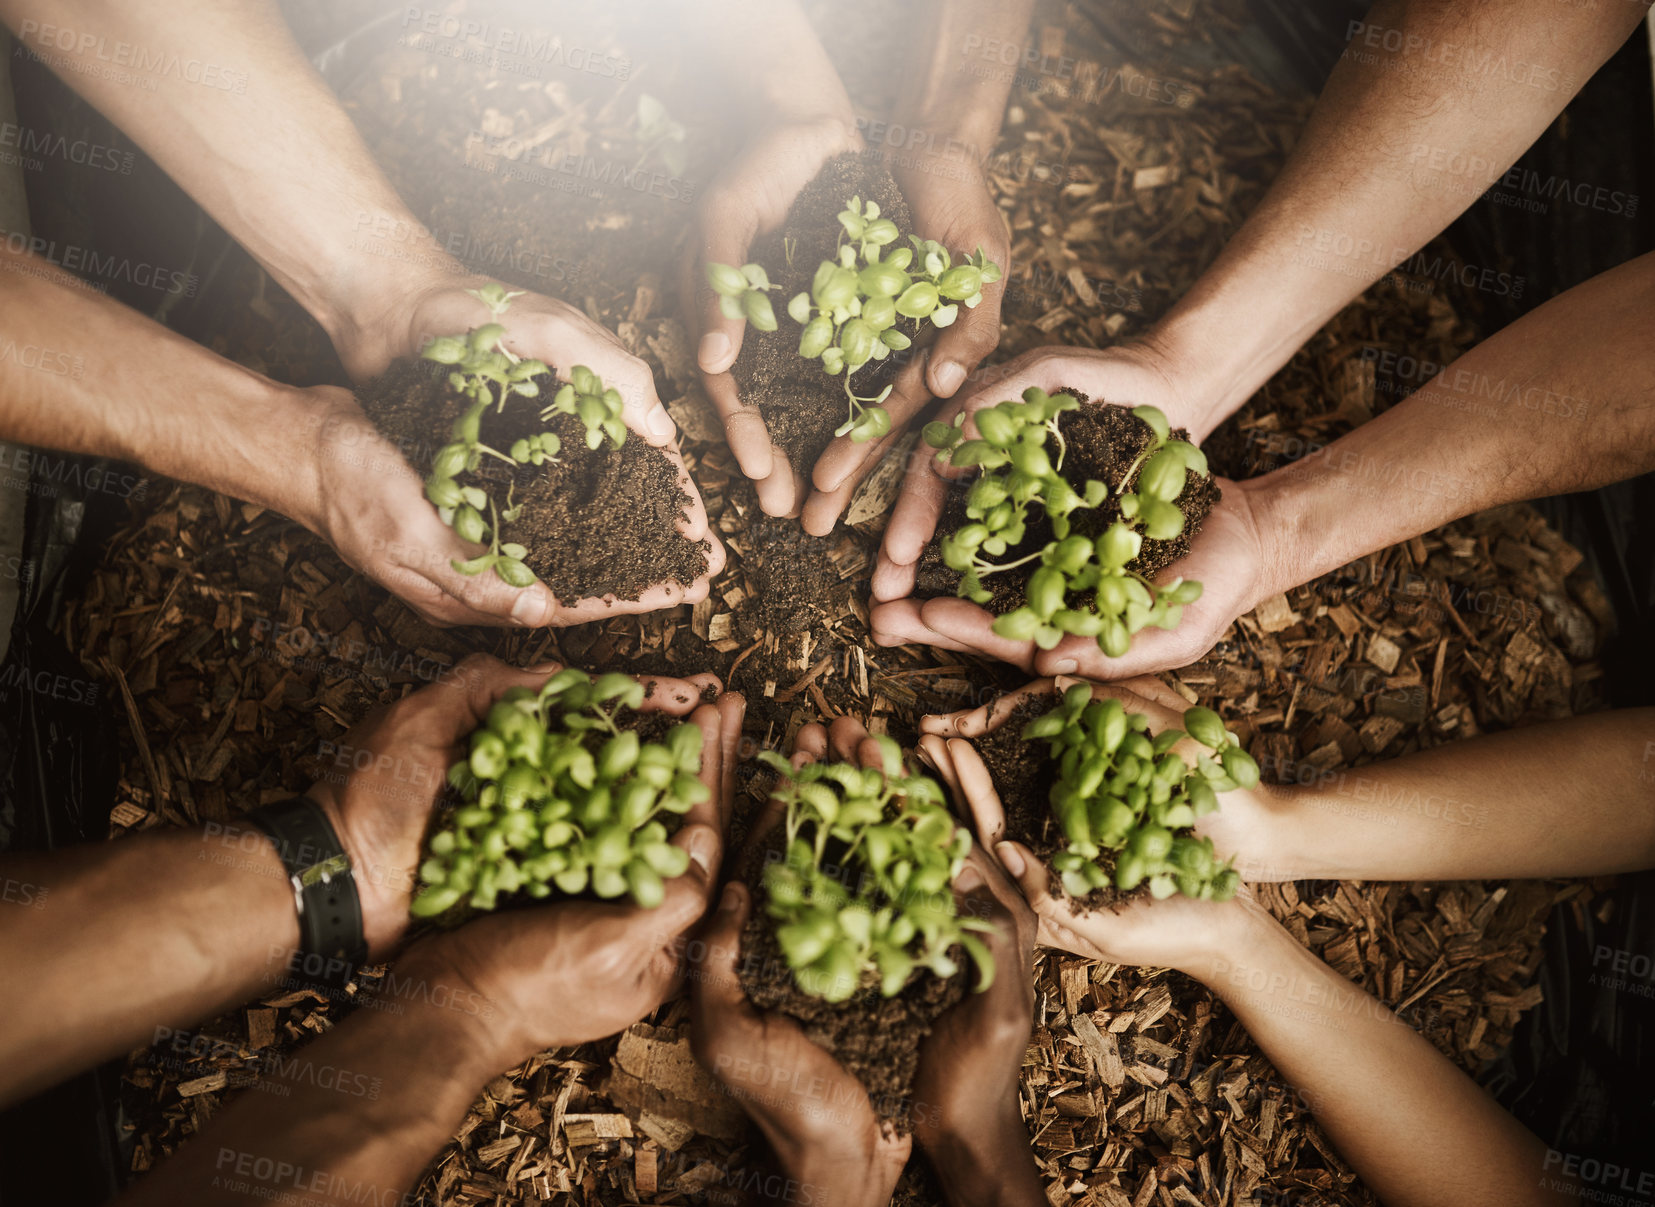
x=488, y=374
x=1084, y=585
x=658, y=134
x=557, y=795
x=889, y=910
x=1119, y=788
x=851, y=313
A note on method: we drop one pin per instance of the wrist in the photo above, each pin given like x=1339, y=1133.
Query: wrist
x=857, y=1171
x=1241, y=926
x=444, y=1001
x=986, y=1161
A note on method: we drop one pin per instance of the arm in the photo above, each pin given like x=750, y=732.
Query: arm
x=1417, y=1130
x=1366, y=185
x=106, y=975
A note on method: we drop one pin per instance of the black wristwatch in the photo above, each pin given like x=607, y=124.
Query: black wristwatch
x=331, y=943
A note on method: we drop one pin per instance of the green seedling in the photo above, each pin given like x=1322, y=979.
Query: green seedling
x=659, y=135
x=851, y=312
x=1120, y=788
x=487, y=374
x=556, y=795
x=1083, y=585
x=890, y=910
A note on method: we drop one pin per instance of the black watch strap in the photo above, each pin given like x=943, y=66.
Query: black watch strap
x=331, y=942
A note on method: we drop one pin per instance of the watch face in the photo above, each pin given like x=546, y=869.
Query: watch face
x=322, y=873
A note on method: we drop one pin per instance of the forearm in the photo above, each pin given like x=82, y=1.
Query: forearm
x=87, y=375
x=1417, y=1130
x=1561, y=400
x=1366, y=185
x=123, y=937
x=993, y=1166
x=250, y=131
x=1570, y=798
x=950, y=97
x=768, y=53
x=399, y=1079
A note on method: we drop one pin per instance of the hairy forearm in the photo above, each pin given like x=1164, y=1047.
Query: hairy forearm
x=1562, y=400
x=1417, y=1130
x=118, y=939
x=87, y=375
x=958, y=93
x=327, y=1139
x=1570, y=798
x=1428, y=107
x=249, y=129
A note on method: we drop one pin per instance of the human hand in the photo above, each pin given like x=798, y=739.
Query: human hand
x=1176, y=932
x=566, y=974
x=370, y=505
x=382, y=778
x=753, y=196
x=951, y=203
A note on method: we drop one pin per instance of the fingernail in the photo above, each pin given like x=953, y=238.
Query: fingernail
x=658, y=422
x=730, y=899
x=532, y=609
x=714, y=351
x=968, y=879
x=703, y=848
x=1066, y=666
x=547, y=667
x=949, y=377
x=1009, y=858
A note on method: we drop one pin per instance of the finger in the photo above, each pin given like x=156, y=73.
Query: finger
x=845, y=462
x=1030, y=875
x=986, y=718
x=899, y=623
x=845, y=736
x=692, y=521
x=961, y=347
x=732, y=708
x=676, y=697
x=686, y=896
x=809, y=744
x=824, y=505
x=988, y=816
x=962, y=621
x=709, y=720
x=780, y=494
x=457, y=705
x=743, y=428
x=716, y=999
x=725, y=232
x=934, y=751
x=913, y=524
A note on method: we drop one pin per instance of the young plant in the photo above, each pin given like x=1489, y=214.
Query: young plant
x=851, y=311
x=1119, y=788
x=487, y=374
x=889, y=910
x=1084, y=585
x=557, y=795
x=658, y=134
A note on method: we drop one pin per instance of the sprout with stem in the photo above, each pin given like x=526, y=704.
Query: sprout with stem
x=556, y=794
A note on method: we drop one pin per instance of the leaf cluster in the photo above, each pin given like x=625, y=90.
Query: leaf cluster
x=1120, y=788
x=890, y=909
x=487, y=374
x=851, y=312
x=557, y=795
x=1083, y=585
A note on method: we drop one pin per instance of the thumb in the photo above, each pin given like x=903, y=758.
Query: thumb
x=685, y=897
x=1029, y=873
x=962, y=346
x=716, y=986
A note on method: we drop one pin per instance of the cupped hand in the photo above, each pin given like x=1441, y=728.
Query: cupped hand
x=752, y=197
x=368, y=508
x=950, y=201
x=382, y=778
x=553, y=976
x=1177, y=932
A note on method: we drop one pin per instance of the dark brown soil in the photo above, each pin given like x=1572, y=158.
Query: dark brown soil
x=1023, y=774
x=1103, y=441
x=801, y=404
x=876, y=1038
x=595, y=523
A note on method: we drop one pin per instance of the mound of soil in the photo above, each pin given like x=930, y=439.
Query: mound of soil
x=1023, y=774
x=594, y=523
x=801, y=404
x=875, y=1038
x=1103, y=442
